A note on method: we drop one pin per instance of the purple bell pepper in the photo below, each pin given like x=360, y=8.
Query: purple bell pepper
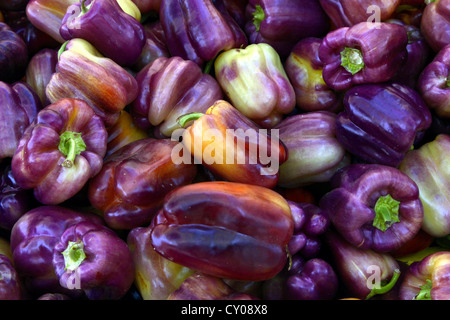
x=33, y=239
x=434, y=83
x=435, y=23
x=94, y=259
x=363, y=53
x=381, y=122
x=18, y=108
x=374, y=206
x=347, y=13
x=13, y=55
x=304, y=69
x=60, y=151
x=363, y=272
x=201, y=31
x=273, y=22
x=10, y=282
x=103, y=23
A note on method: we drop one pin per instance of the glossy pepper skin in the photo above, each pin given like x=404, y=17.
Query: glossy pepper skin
x=40, y=70
x=374, y=206
x=304, y=69
x=435, y=23
x=427, y=167
x=169, y=88
x=47, y=15
x=19, y=106
x=381, y=122
x=361, y=269
x=315, y=154
x=363, y=53
x=201, y=31
x=108, y=88
x=92, y=258
x=13, y=55
x=224, y=229
x=347, y=13
x=247, y=155
x=33, y=238
x=255, y=82
x=427, y=279
x=115, y=33
x=133, y=181
x=10, y=283
x=60, y=151
x=434, y=83
x=272, y=22
x=155, y=276
x=14, y=200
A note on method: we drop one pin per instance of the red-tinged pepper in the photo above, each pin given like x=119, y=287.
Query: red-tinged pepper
x=155, y=276
x=304, y=69
x=112, y=27
x=435, y=23
x=60, y=151
x=13, y=55
x=434, y=83
x=347, y=13
x=225, y=229
x=83, y=73
x=133, y=181
x=201, y=31
x=18, y=108
x=231, y=146
x=427, y=166
x=363, y=53
x=374, y=206
x=273, y=22
x=427, y=279
x=255, y=82
x=169, y=88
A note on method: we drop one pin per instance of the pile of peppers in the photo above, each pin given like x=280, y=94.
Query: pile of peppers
x=119, y=181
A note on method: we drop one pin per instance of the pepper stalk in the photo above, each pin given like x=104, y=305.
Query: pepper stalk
x=71, y=144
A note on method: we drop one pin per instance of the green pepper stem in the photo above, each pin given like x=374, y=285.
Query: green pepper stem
x=352, y=60
x=184, y=119
x=425, y=291
x=62, y=48
x=71, y=144
x=83, y=7
x=74, y=255
x=386, y=212
x=448, y=82
x=386, y=288
x=208, y=66
x=258, y=16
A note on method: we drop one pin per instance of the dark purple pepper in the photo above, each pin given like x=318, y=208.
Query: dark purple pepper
x=13, y=55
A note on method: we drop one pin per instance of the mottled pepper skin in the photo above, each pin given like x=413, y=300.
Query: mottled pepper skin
x=155, y=276
x=169, y=88
x=315, y=154
x=133, y=181
x=351, y=206
x=381, y=122
x=13, y=55
x=19, y=107
x=115, y=33
x=347, y=13
x=435, y=24
x=107, y=271
x=38, y=162
x=255, y=82
x=433, y=268
x=224, y=229
x=304, y=69
x=245, y=164
x=434, y=84
x=427, y=166
x=83, y=73
x=280, y=17
x=382, y=48
x=201, y=31
x=33, y=238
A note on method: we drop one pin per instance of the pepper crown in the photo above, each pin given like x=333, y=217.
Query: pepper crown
x=258, y=16
x=425, y=291
x=352, y=60
x=74, y=255
x=71, y=144
x=386, y=212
